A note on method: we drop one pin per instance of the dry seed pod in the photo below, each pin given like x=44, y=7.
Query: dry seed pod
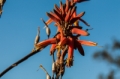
x=1, y=6
x=53, y=66
x=47, y=75
x=57, y=68
x=38, y=36
x=48, y=31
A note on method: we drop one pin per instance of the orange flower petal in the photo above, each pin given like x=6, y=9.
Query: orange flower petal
x=49, y=21
x=58, y=14
x=67, y=5
x=79, y=1
x=54, y=18
x=46, y=42
x=67, y=17
x=70, y=47
x=79, y=31
x=57, y=8
x=73, y=12
x=81, y=14
x=74, y=19
x=62, y=8
x=63, y=41
x=88, y=43
x=52, y=49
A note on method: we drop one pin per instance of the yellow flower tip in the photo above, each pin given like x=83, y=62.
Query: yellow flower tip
x=37, y=47
x=69, y=62
x=95, y=44
x=58, y=47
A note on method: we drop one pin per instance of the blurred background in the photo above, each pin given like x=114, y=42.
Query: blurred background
x=18, y=28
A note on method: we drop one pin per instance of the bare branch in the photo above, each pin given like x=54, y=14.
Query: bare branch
x=20, y=61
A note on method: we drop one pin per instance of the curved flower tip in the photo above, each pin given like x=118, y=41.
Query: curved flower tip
x=81, y=14
x=53, y=17
x=67, y=17
x=69, y=62
x=52, y=49
x=67, y=5
x=79, y=1
x=88, y=43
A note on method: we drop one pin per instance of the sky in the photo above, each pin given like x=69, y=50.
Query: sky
x=18, y=28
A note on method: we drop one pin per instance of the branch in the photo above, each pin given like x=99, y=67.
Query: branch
x=20, y=61
x=33, y=52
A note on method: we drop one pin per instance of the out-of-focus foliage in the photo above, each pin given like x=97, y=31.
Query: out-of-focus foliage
x=116, y=45
x=111, y=55
x=109, y=76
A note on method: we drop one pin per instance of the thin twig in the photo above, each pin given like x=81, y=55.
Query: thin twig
x=33, y=52
x=20, y=61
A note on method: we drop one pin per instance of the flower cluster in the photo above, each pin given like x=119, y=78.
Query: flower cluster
x=66, y=39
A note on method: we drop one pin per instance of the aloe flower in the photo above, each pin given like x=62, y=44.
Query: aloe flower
x=67, y=21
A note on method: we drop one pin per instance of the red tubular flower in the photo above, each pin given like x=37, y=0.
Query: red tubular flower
x=79, y=31
x=57, y=8
x=79, y=1
x=53, y=48
x=79, y=15
x=63, y=41
x=67, y=5
x=56, y=15
x=79, y=43
x=67, y=22
x=70, y=52
x=62, y=8
x=49, y=21
x=61, y=44
x=70, y=47
x=67, y=17
x=57, y=36
x=46, y=42
x=53, y=17
x=73, y=11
